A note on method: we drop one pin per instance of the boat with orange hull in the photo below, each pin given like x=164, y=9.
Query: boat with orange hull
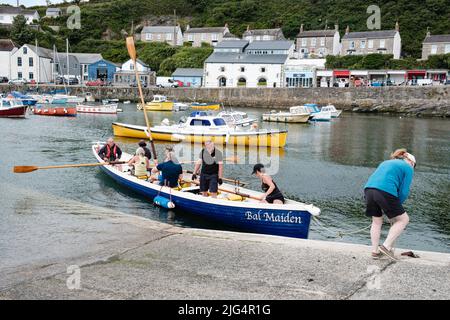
x=56, y=111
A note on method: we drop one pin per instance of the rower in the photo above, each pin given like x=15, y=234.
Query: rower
x=110, y=151
x=211, y=162
x=272, y=193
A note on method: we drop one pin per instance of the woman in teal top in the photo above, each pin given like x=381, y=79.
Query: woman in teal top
x=385, y=192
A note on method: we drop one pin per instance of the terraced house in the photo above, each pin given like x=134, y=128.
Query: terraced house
x=263, y=34
x=169, y=34
x=7, y=15
x=318, y=43
x=435, y=44
x=366, y=42
x=209, y=35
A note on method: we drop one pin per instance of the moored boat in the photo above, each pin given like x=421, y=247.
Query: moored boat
x=55, y=111
x=317, y=114
x=237, y=118
x=291, y=219
x=101, y=109
x=159, y=103
x=205, y=106
x=330, y=108
x=199, y=128
x=11, y=108
x=26, y=100
x=297, y=114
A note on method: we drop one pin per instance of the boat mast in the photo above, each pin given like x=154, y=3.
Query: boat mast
x=38, y=62
x=68, y=65
x=53, y=65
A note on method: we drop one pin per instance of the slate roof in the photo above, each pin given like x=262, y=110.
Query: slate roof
x=158, y=29
x=7, y=45
x=232, y=44
x=188, y=72
x=247, y=58
x=87, y=58
x=15, y=10
x=206, y=30
x=437, y=38
x=270, y=45
x=263, y=32
x=316, y=33
x=382, y=34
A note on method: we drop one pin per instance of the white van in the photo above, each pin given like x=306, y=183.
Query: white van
x=166, y=82
x=424, y=82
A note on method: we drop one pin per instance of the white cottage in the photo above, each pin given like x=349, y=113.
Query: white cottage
x=127, y=75
x=32, y=63
x=7, y=15
x=7, y=48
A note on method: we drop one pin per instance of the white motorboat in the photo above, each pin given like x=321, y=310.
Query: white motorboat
x=334, y=112
x=297, y=114
x=180, y=106
x=317, y=114
x=237, y=118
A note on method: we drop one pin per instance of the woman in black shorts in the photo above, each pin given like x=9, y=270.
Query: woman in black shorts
x=272, y=193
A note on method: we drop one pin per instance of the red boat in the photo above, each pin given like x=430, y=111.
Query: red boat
x=10, y=108
x=56, y=111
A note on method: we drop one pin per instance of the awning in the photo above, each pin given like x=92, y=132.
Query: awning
x=341, y=73
x=417, y=72
x=324, y=73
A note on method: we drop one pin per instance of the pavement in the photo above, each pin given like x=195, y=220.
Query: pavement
x=111, y=255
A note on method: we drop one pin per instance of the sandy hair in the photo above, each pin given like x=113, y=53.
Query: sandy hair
x=399, y=154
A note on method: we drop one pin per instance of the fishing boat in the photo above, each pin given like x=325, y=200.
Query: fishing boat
x=12, y=108
x=297, y=114
x=236, y=118
x=330, y=108
x=205, y=106
x=55, y=111
x=159, y=103
x=234, y=207
x=102, y=109
x=317, y=114
x=199, y=128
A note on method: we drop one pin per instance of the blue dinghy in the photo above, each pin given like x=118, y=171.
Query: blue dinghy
x=291, y=219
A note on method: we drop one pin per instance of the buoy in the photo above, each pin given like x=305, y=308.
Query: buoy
x=163, y=202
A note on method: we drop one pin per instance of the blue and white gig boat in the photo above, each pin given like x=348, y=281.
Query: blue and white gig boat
x=291, y=219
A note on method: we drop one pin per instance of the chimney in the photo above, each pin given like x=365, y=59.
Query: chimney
x=226, y=25
x=301, y=28
x=248, y=27
x=188, y=27
x=397, y=26
x=428, y=32
x=347, y=30
x=336, y=27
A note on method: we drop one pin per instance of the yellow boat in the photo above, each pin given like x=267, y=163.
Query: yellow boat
x=205, y=106
x=159, y=103
x=196, y=130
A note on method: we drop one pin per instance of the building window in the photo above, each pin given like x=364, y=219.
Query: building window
x=313, y=42
x=352, y=44
x=447, y=48
x=266, y=37
x=258, y=38
x=242, y=69
x=203, y=36
x=132, y=67
x=214, y=37
x=322, y=42
x=1, y=18
x=169, y=37
x=148, y=36
x=158, y=36
x=85, y=68
x=382, y=43
x=19, y=62
x=31, y=75
x=363, y=44
x=222, y=69
x=30, y=61
x=263, y=69
x=191, y=37
x=433, y=49
x=304, y=42
x=19, y=75
x=25, y=50
x=370, y=44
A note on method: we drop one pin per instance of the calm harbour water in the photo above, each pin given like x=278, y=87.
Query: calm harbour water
x=325, y=164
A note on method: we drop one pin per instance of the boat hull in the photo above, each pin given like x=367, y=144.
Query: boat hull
x=255, y=218
x=159, y=106
x=288, y=118
x=112, y=109
x=270, y=139
x=13, y=112
x=56, y=112
x=214, y=106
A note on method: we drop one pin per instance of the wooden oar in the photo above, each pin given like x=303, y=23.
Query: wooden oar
x=132, y=52
x=229, y=191
x=225, y=179
x=26, y=169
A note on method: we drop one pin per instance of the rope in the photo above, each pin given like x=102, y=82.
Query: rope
x=339, y=234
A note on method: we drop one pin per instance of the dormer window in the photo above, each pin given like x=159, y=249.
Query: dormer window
x=25, y=51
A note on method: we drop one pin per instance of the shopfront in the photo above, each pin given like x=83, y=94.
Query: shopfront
x=299, y=79
x=324, y=78
x=341, y=78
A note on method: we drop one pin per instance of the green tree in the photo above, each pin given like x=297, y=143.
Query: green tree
x=21, y=33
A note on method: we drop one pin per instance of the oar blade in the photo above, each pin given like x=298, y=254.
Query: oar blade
x=131, y=48
x=24, y=169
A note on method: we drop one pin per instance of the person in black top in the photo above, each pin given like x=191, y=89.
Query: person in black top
x=211, y=162
x=272, y=193
x=143, y=145
x=110, y=151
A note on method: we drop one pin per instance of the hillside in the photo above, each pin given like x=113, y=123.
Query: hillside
x=414, y=16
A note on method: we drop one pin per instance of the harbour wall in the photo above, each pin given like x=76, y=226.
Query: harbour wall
x=419, y=101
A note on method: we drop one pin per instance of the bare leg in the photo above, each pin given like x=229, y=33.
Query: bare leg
x=375, y=232
x=396, y=230
x=205, y=194
x=277, y=202
x=213, y=194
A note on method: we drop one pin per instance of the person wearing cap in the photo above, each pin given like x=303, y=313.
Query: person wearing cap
x=211, y=163
x=385, y=192
x=143, y=145
x=272, y=193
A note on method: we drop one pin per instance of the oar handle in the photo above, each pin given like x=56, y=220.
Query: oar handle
x=225, y=179
x=230, y=191
x=82, y=165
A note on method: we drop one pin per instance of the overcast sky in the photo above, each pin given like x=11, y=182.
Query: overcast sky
x=29, y=3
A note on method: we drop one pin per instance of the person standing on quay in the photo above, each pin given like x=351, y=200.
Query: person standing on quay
x=385, y=192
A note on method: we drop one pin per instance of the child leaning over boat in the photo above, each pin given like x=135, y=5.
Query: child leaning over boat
x=385, y=191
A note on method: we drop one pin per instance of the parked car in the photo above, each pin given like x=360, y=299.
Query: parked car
x=72, y=81
x=166, y=82
x=17, y=81
x=95, y=83
x=4, y=80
